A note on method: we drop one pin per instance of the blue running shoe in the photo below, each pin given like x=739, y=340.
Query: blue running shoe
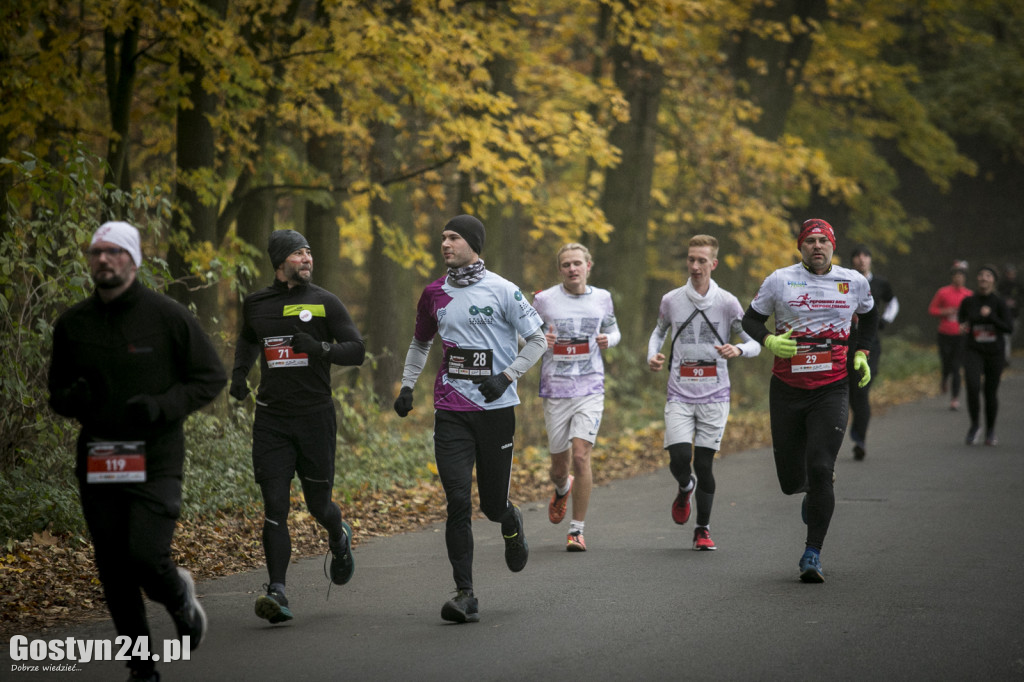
x=810, y=567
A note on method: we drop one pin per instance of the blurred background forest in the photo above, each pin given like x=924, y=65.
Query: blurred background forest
x=628, y=125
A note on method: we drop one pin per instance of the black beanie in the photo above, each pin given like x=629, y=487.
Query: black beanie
x=991, y=268
x=470, y=229
x=860, y=249
x=284, y=243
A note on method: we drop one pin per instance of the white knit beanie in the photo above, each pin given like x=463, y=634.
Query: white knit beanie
x=124, y=235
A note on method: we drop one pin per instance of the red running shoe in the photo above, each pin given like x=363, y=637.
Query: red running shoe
x=574, y=542
x=681, y=505
x=702, y=541
x=556, y=507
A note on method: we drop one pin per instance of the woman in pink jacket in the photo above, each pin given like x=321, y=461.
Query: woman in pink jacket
x=945, y=305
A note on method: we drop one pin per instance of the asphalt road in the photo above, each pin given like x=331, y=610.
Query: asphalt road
x=924, y=570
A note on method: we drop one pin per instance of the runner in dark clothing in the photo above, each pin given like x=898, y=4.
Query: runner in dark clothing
x=298, y=330
x=986, y=322
x=888, y=307
x=130, y=364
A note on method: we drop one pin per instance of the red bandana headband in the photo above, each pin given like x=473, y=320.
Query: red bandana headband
x=815, y=226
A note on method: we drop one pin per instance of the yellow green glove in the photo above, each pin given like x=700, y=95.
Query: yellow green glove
x=860, y=364
x=781, y=345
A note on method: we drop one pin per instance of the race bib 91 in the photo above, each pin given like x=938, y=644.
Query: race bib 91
x=571, y=350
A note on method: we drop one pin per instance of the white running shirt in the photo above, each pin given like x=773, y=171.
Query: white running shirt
x=698, y=374
x=574, y=368
x=818, y=308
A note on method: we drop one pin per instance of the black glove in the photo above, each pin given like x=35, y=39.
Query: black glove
x=494, y=387
x=239, y=390
x=306, y=344
x=79, y=393
x=75, y=400
x=403, y=403
x=142, y=409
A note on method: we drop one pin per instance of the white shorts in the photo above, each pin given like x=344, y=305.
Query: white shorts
x=568, y=418
x=703, y=425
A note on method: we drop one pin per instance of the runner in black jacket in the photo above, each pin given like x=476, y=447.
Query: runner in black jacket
x=888, y=307
x=985, y=321
x=130, y=364
x=298, y=330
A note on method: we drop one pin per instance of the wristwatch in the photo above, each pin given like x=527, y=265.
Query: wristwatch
x=327, y=348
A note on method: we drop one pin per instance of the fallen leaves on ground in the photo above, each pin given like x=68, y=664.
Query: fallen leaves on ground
x=50, y=581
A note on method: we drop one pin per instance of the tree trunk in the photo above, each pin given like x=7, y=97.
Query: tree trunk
x=195, y=152
x=773, y=88
x=505, y=249
x=505, y=229
x=254, y=224
x=120, y=72
x=388, y=323
x=626, y=198
x=325, y=154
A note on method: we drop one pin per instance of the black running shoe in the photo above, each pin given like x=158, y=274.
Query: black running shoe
x=516, y=549
x=273, y=606
x=342, y=564
x=190, y=619
x=462, y=608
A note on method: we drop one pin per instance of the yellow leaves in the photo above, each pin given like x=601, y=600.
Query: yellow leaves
x=8, y=563
x=758, y=66
x=479, y=75
x=399, y=247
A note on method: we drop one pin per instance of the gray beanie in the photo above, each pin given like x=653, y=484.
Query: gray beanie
x=284, y=243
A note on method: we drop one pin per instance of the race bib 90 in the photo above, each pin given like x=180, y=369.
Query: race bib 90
x=698, y=372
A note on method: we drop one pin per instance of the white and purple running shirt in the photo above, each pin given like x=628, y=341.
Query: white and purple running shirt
x=573, y=368
x=698, y=375
x=479, y=326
